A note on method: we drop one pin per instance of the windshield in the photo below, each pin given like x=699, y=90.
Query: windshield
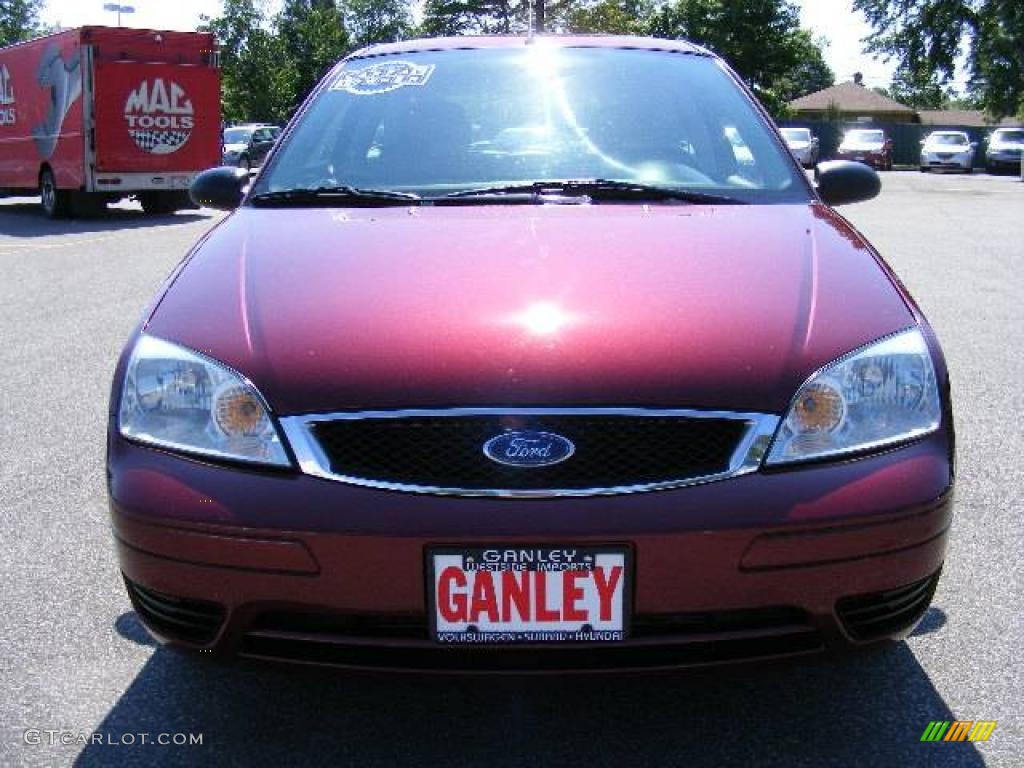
x=796, y=134
x=438, y=122
x=1010, y=137
x=953, y=139
x=237, y=135
x=863, y=137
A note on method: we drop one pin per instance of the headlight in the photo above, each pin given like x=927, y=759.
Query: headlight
x=177, y=399
x=882, y=394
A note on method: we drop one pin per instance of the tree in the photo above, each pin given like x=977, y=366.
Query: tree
x=761, y=39
x=469, y=17
x=928, y=36
x=376, y=21
x=613, y=17
x=920, y=89
x=254, y=86
x=19, y=20
x=811, y=73
x=313, y=38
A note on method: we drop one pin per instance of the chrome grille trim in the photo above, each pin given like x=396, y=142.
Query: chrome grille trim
x=747, y=457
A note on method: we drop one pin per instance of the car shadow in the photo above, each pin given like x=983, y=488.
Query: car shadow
x=869, y=708
x=26, y=219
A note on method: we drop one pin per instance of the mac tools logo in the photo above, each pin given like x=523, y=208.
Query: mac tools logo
x=159, y=115
x=8, y=115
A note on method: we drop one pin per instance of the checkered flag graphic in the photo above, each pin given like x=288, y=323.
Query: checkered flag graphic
x=159, y=142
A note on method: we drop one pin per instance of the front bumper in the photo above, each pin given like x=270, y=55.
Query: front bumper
x=1003, y=160
x=287, y=566
x=954, y=162
x=874, y=159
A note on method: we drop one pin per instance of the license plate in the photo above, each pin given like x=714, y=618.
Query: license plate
x=528, y=594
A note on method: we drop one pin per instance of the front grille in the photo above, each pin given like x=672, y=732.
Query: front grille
x=657, y=640
x=194, y=621
x=879, y=614
x=612, y=451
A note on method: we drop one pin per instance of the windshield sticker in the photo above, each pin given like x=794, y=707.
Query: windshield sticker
x=382, y=78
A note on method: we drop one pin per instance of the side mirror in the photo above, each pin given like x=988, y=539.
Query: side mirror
x=220, y=187
x=843, y=181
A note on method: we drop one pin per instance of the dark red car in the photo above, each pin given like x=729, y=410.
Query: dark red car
x=526, y=354
x=867, y=145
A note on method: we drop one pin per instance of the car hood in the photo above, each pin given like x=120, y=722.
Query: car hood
x=861, y=146
x=727, y=307
x=953, y=148
x=798, y=144
x=234, y=147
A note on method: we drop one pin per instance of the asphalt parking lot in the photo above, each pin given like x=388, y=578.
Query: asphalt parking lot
x=74, y=659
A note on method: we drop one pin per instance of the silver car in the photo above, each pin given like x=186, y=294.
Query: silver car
x=803, y=144
x=951, y=150
x=1005, y=147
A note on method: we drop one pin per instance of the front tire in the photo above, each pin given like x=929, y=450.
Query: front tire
x=56, y=202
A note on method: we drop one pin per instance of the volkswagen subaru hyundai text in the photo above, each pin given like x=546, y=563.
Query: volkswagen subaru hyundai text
x=506, y=360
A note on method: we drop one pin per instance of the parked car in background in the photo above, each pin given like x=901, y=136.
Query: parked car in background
x=1005, y=146
x=867, y=145
x=247, y=145
x=947, y=149
x=803, y=144
x=438, y=395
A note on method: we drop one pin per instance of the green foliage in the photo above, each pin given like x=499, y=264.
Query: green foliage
x=376, y=21
x=312, y=37
x=920, y=89
x=609, y=17
x=761, y=40
x=254, y=86
x=475, y=17
x=19, y=20
x=928, y=36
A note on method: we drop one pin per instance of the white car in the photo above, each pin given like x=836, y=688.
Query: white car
x=947, y=149
x=803, y=144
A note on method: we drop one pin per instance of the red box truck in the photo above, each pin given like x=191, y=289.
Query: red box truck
x=96, y=114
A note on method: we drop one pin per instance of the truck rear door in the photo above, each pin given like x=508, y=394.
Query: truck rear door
x=156, y=117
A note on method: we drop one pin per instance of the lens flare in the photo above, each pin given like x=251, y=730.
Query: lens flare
x=543, y=319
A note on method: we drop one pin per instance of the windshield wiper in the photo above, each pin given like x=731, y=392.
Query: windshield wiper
x=596, y=189
x=341, y=194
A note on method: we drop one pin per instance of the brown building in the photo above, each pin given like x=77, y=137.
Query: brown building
x=968, y=118
x=851, y=102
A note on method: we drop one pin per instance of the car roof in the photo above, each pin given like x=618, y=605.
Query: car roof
x=516, y=41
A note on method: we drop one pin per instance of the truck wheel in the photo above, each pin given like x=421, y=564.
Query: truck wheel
x=158, y=203
x=56, y=202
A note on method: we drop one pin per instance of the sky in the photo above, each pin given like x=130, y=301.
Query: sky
x=833, y=20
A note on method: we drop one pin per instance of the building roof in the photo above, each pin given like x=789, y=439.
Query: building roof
x=971, y=118
x=849, y=97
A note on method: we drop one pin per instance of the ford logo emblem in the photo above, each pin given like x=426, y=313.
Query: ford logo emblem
x=526, y=448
